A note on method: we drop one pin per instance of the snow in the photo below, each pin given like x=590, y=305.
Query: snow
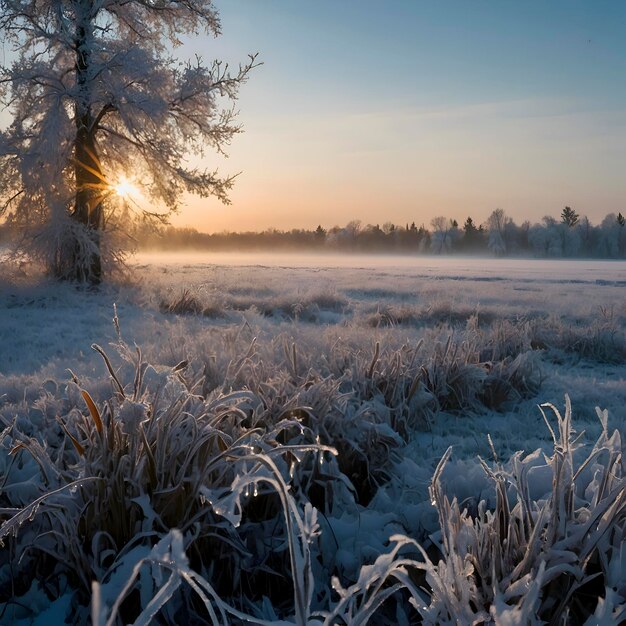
x=312, y=310
x=46, y=328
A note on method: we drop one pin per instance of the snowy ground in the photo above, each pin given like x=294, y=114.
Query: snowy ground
x=210, y=309
x=315, y=300
x=46, y=328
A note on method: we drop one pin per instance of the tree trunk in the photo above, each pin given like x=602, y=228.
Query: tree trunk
x=88, y=211
x=88, y=205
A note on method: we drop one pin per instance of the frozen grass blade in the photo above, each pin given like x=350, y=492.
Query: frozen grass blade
x=93, y=411
x=27, y=514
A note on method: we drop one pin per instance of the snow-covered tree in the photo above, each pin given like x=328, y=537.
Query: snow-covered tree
x=99, y=103
x=538, y=240
x=586, y=233
x=621, y=223
x=496, y=224
x=445, y=234
x=608, y=242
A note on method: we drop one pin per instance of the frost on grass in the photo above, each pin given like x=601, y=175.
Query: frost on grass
x=154, y=497
x=196, y=480
x=533, y=558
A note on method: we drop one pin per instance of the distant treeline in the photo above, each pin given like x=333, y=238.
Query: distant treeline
x=568, y=236
x=565, y=237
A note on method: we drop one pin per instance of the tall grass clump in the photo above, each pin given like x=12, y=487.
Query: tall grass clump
x=188, y=302
x=600, y=339
x=146, y=460
x=160, y=498
x=533, y=557
x=548, y=547
x=312, y=306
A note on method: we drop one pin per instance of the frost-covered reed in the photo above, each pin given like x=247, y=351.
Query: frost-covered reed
x=265, y=458
x=219, y=495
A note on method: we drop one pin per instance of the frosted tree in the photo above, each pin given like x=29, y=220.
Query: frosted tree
x=445, y=234
x=352, y=229
x=621, y=229
x=608, y=242
x=496, y=225
x=99, y=103
x=586, y=233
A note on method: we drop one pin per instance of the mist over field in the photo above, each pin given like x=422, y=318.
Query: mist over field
x=368, y=368
x=507, y=269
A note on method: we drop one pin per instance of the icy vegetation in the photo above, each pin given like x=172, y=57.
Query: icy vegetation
x=292, y=442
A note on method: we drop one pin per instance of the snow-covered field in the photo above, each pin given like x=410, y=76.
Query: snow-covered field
x=390, y=360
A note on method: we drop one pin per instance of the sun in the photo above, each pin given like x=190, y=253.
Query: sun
x=126, y=189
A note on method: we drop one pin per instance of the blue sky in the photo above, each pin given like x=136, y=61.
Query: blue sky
x=403, y=110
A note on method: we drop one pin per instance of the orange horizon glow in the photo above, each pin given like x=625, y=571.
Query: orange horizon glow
x=410, y=164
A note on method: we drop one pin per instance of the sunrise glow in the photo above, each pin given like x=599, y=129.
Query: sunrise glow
x=466, y=122
x=127, y=190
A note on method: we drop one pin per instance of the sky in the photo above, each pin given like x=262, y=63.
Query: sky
x=407, y=109
x=404, y=110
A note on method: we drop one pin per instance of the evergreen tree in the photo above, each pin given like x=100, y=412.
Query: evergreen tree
x=569, y=217
x=472, y=236
x=320, y=233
